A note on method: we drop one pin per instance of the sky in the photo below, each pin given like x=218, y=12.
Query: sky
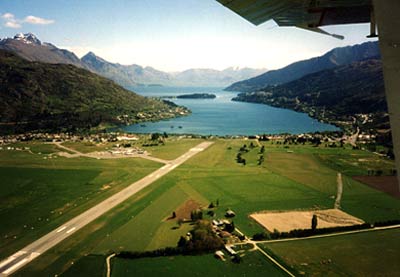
x=169, y=35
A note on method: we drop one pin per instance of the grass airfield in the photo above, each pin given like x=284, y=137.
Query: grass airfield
x=298, y=177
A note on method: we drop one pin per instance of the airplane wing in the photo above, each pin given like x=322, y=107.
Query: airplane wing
x=311, y=13
x=305, y=14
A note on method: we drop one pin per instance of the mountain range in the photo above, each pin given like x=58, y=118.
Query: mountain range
x=335, y=57
x=59, y=97
x=28, y=46
x=339, y=95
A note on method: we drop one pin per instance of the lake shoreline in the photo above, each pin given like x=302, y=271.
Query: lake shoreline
x=221, y=116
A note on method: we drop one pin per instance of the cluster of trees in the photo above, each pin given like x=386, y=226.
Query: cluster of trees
x=196, y=215
x=380, y=172
x=263, y=138
x=202, y=239
x=260, y=160
x=212, y=205
x=244, y=149
x=372, y=172
x=300, y=233
x=230, y=227
x=240, y=159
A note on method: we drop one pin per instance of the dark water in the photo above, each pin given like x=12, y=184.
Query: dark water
x=221, y=116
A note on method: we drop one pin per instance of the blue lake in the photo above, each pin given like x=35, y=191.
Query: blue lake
x=221, y=116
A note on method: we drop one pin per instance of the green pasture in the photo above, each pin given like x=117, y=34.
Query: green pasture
x=37, y=195
x=173, y=147
x=252, y=264
x=87, y=147
x=373, y=253
x=303, y=178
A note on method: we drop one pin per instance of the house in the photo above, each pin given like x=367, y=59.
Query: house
x=230, y=213
x=127, y=138
x=219, y=255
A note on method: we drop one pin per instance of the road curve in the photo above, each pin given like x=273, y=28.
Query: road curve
x=38, y=247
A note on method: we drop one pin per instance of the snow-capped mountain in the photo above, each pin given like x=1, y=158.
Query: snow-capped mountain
x=28, y=46
x=28, y=38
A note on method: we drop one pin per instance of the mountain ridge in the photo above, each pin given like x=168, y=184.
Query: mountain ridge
x=335, y=57
x=338, y=95
x=54, y=97
x=28, y=46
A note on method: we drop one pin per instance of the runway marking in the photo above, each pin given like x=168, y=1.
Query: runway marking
x=62, y=228
x=22, y=257
x=9, y=260
x=70, y=230
x=12, y=258
x=17, y=265
x=196, y=149
x=34, y=255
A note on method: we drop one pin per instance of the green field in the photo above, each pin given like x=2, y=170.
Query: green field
x=39, y=192
x=304, y=178
x=253, y=264
x=364, y=254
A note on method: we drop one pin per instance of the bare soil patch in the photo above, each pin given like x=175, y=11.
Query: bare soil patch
x=183, y=211
x=287, y=221
x=387, y=184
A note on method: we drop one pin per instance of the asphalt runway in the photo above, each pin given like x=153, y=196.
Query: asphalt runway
x=38, y=247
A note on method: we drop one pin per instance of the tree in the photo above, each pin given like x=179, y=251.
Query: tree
x=230, y=227
x=196, y=215
x=182, y=242
x=173, y=214
x=314, y=222
x=236, y=259
x=155, y=136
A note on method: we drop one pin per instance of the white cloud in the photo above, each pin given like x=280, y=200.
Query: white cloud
x=11, y=22
x=37, y=20
x=8, y=16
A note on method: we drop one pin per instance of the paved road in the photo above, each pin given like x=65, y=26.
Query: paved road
x=33, y=250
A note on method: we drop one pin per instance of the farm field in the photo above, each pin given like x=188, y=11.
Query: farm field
x=302, y=179
x=364, y=254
